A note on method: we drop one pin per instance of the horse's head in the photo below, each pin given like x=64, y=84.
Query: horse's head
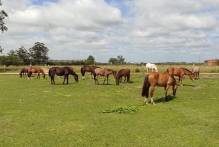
x=76, y=77
x=192, y=76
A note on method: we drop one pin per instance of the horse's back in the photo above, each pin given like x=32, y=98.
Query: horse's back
x=124, y=71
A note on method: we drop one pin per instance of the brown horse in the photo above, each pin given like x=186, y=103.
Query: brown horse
x=180, y=72
x=37, y=70
x=62, y=71
x=154, y=79
x=87, y=68
x=23, y=72
x=105, y=72
x=122, y=73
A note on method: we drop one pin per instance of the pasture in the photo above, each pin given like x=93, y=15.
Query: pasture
x=35, y=113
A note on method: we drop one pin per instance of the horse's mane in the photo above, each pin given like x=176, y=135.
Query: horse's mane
x=186, y=69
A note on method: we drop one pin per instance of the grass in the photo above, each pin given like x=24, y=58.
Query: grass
x=35, y=113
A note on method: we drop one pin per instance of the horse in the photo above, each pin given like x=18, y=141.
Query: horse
x=23, y=72
x=180, y=72
x=87, y=68
x=62, y=71
x=154, y=79
x=122, y=73
x=151, y=67
x=37, y=70
x=196, y=71
x=103, y=72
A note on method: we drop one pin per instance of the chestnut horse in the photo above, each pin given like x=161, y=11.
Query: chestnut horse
x=37, y=70
x=23, y=72
x=105, y=72
x=62, y=71
x=123, y=73
x=87, y=68
x=180, y=72
x=154, y=79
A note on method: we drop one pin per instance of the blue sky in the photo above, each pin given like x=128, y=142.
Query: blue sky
x=141, y=30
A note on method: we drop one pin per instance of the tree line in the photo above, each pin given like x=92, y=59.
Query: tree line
x=38, y=54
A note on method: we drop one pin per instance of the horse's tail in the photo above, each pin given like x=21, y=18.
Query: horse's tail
x=146, y=86
x=75, y=76
x=21, y=72
x=128, y=77
x=117, y=77
x=82, y=71
x=49, y=73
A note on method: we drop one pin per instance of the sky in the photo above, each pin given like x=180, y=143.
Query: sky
x=139, y=30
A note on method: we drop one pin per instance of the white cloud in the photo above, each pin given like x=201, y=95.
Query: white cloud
x=72, y=27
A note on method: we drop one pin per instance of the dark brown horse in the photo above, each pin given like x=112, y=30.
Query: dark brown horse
x=180, y=72
x=123, y=73
x=154, y=79
x=105, y=72
x=62, y=71
x=23, y=72
x=87, y=68
x=37, y=70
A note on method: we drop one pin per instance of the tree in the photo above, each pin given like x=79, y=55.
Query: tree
x=120, y=59
x=23, y=54
x=90, y=60
x=3, y=15
x=113, y=61
x=1, y=49
x=39, y=53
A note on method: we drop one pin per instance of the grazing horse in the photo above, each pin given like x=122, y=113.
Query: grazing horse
x=23, y=72
x=180, y=72
x=196, y=71
x=122, y=73
x=151, y=67
x=154, y=79
x=103, y=72
x=87, y=68
x=62, y=71
x=37, y=70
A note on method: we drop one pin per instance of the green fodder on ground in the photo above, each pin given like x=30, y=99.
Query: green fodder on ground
x=35, y=113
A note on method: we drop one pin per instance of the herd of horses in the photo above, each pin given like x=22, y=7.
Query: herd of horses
x=152, y=78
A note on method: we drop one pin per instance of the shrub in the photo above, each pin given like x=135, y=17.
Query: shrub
x=137, y=70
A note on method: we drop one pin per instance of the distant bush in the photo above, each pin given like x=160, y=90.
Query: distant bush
x=137, y=70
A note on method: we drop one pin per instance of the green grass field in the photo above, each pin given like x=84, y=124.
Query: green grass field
x=35, y=113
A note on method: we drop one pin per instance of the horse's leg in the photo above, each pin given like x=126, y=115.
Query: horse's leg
x=152, y=94
x=174, y=89
x=51, y=79
x=104, y=80
x=166, y=92
x=64, y=79
x=67, y=78
x=107, y=78
x=146, y=100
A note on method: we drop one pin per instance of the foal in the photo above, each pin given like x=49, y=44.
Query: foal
x=180, y=72
x=122, y=73
x=105, y=72
x=35, y=69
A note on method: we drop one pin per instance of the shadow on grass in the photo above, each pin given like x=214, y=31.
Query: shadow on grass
x=190, y=85
x=162, y=99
